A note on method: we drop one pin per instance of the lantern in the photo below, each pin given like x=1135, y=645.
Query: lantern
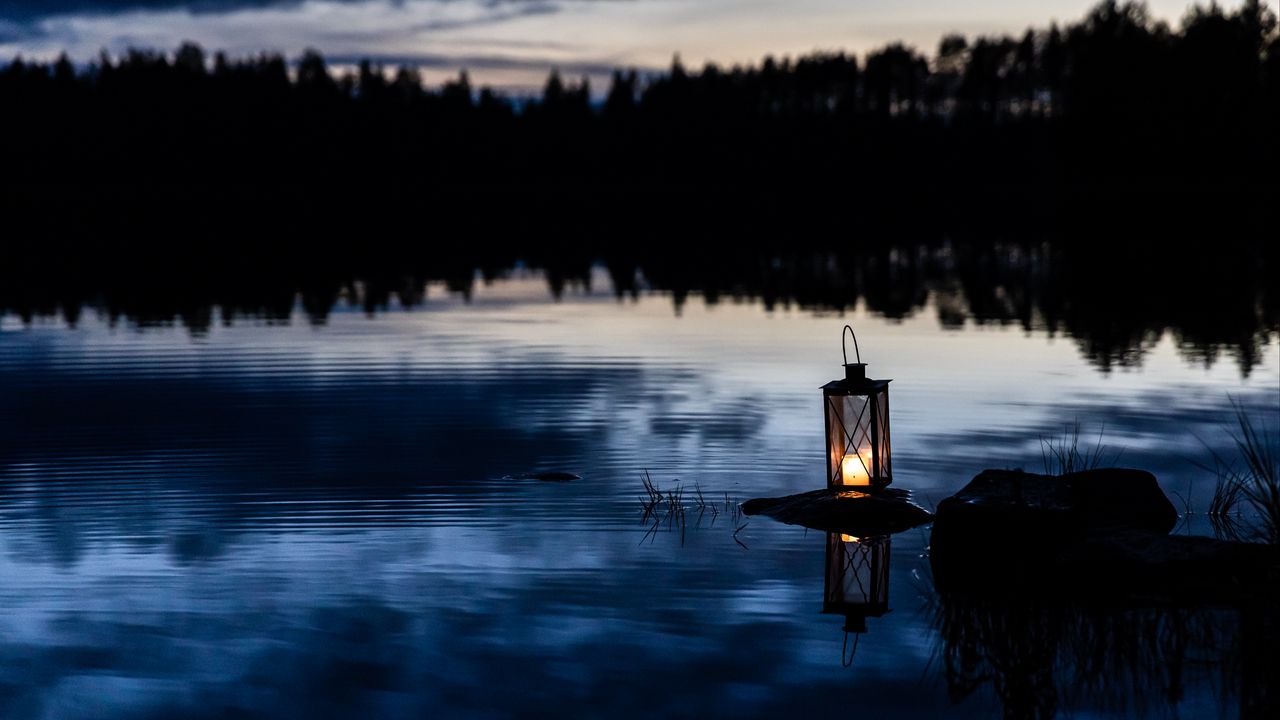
x=857, y=581
x=857, y=414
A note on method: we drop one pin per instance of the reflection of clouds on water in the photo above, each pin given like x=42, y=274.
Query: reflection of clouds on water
x=380, y=615
x=188, y=445
x=736, y=421
x=422, y=617
x=437, y=404
x=260, y=514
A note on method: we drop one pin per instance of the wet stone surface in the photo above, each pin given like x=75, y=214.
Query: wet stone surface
x=855, y=513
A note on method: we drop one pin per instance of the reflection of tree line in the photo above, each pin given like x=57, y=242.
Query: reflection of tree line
x=1115, y=95
x=1115, y=304
x=1043, y=656
x=1048, y=639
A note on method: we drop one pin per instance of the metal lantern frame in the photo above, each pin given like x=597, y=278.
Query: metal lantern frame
x=856, y=409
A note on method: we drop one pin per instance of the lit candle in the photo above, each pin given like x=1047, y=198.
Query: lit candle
x=854, y=468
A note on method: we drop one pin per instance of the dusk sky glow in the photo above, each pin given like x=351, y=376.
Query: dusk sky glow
x=511, y=44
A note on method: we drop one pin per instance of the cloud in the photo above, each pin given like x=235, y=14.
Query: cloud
x=26, y=11
x=13, y=32
x=572, y=68
x=506, y=44
x=494, y=13
x=31, y=10
x=335, y=26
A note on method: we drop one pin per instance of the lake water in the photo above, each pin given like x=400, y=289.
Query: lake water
x=313, y=520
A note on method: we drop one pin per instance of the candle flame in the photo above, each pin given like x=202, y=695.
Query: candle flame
x=854, y=468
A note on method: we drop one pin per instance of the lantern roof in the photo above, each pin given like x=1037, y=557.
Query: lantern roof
x=855, y=382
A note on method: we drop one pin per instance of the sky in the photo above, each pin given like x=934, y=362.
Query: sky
x=512, y=44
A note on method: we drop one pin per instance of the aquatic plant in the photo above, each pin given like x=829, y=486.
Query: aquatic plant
x=1064, y=454
x=1252, y=480
x=667, y=508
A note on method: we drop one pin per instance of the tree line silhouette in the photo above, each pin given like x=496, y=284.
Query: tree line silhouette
x=1115, y=98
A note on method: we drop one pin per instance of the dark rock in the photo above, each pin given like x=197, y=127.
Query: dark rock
x=1110, y=497
x=544, y=476
x=1111, y=565
x=853, y=513
x=1101, y=534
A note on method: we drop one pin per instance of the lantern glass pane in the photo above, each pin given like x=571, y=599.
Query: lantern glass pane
x=857, y=573
x=849, y=441
x=883, y=471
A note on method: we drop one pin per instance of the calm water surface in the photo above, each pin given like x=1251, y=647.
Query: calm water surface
x=299, y=520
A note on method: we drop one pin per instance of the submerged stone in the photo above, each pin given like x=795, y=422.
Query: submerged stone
x=854, y=513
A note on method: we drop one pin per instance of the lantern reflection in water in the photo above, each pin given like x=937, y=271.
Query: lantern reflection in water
x=857, y=579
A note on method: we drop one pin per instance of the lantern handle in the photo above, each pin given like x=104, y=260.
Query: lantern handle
x=845, y=350
x=846, y=659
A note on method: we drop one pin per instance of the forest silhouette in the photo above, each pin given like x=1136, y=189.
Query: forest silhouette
x=1113, y=179
x=1114, y=99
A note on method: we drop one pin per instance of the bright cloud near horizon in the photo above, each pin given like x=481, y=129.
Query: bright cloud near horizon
x=512, y=44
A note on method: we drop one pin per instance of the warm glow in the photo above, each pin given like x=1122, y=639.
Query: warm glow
x=854, y=468
x=849, y=538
